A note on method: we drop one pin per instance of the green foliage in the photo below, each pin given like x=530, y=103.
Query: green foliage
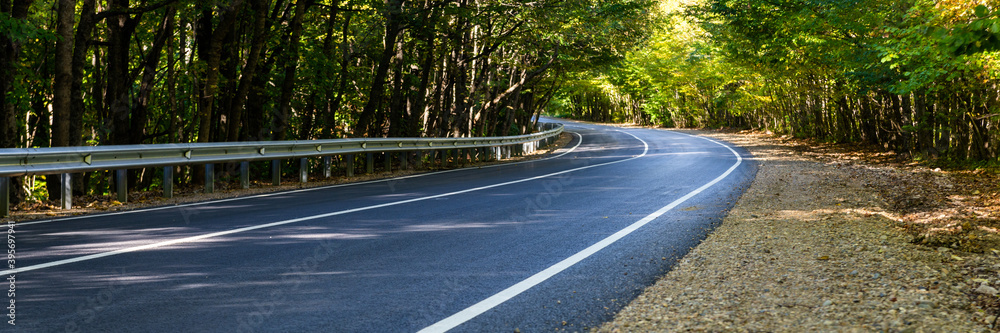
x=21, y=31
x=982, y=34
x=916, y=76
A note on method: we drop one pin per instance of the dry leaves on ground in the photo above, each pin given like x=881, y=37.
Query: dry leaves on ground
x=828, y=238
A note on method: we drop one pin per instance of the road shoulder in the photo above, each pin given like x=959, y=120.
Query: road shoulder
x=809, y=247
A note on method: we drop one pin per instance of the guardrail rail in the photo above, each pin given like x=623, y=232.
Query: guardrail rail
x=68, y=160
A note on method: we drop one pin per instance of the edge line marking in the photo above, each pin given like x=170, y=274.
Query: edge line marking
x=306, y=218
x=485, y=305
x=264, y=195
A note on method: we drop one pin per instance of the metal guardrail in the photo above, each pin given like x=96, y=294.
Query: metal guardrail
x=68, y=160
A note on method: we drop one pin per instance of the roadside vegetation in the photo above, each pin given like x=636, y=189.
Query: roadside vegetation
x=909, y=84
x=112, y=72
x=915, y=77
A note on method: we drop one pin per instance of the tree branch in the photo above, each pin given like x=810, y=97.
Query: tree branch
x=109, y=13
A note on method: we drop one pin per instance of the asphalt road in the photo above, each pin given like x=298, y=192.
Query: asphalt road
x=558, y=243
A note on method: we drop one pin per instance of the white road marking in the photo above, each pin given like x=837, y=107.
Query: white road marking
x=485, y=305
x=320, y=216
x=142, y=210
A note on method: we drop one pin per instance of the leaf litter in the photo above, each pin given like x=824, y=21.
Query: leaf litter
x=836, y=238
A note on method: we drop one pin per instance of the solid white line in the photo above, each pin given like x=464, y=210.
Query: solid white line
x=142, y=210
x=274, y=224
x=491, y=302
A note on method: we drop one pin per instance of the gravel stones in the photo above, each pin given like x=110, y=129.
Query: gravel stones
x=986, y=289
x=809, y=248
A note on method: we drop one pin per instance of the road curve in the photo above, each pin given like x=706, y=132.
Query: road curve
x=557, y=243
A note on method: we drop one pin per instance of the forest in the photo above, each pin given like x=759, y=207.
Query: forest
x=915, y=77
x=116, y=72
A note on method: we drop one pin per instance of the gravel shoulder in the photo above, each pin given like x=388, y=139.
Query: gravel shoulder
x=811, y=247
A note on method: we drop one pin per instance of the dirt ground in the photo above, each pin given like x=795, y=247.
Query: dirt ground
x=836, y=238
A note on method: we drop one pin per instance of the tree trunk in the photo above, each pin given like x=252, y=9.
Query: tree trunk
x=119, y=83
x=427, y=35
x=334, y=104
x=260, y=35
x=10, y=50
x=906, y=120
x=210, y=53
x=62, y=95
x=397, y=119
x=61, y=92
x=924, y=124
x=394, y=11
x=150, y=65
x=291, y=62
x=81, y=45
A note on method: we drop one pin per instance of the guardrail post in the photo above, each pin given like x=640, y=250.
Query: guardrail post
x=387, y=161
x=275, y=172
x=419, y=160
x=121, y=184
x=369, y=163
x=327, y=166
x=210, y=178
x=404, y=157
x=303, y=170
x=4, y=196
x=168, y=182
x=245, y=175
x=350, y=164
x=67, y=191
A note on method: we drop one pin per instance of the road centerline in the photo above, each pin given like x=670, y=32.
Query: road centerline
x=307, y=218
